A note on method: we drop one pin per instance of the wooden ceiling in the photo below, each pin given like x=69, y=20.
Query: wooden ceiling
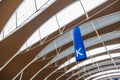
x=19, y=64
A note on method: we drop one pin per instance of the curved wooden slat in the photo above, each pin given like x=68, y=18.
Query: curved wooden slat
x=7, y=8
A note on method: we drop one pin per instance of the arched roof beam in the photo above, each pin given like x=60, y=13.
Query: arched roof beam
x=7, y=8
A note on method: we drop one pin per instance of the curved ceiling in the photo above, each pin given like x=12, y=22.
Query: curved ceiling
x=51, y=58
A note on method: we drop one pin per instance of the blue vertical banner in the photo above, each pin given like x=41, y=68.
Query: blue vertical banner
x=79, y=49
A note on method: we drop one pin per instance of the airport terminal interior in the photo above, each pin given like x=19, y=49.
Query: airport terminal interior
x=36, y=39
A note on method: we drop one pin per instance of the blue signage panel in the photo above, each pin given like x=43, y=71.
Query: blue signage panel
x=79, y=49
x=116, y=79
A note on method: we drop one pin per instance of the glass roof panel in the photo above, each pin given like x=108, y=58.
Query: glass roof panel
x=25, y=10
x=1, y=36
x=10, y=27
x=49, y=27
x=70, y=13
x=46, y=29
x=39, y=3
x=23, y=47
x=89, y=5
x=67, y=62
x=43, y=3
x=33, y=39
x=102, y=49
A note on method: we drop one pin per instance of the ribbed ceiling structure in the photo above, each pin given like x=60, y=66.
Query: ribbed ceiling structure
x=52, y=57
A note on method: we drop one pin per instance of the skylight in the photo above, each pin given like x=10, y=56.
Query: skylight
x=89, y=5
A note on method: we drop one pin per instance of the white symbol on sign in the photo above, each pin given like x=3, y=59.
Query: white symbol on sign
x=78, y=52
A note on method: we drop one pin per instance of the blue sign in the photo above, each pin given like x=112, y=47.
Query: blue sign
x=79, y=49
x=116, y=79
